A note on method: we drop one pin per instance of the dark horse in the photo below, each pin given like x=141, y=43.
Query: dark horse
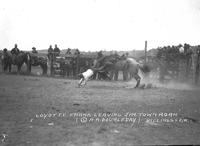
x=9, y=59
x=107, y=64
x=38, y=61
x=113, y=64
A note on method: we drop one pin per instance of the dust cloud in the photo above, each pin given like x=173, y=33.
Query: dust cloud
x=152, y=81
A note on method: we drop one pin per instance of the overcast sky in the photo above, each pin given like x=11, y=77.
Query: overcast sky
x=93, y=25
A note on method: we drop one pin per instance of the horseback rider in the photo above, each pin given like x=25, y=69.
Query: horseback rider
x=34, y=57
x=68, y=51
x=34, y=50
x=50, y=50
x=15, y=50
x=77, y=52
x=56, y=50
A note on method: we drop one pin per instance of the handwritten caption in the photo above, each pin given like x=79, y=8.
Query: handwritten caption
x=127, y=117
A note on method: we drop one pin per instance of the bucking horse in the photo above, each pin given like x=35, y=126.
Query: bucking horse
x=8, y=59
x=129, y=65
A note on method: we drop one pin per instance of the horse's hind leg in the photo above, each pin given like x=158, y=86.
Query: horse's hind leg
x=5, y=67
x=137, y=78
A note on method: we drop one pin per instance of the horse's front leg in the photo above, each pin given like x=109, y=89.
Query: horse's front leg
x=9, y=67
x=19, y=69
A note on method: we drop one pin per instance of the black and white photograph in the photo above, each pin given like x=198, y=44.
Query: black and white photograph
x=99, y=72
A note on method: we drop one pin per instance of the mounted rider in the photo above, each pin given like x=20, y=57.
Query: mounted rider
x=34, y=51
x=68, y=51
x=15, y=52
x=4, y=59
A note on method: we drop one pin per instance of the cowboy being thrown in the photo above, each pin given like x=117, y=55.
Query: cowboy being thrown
x=85, y=76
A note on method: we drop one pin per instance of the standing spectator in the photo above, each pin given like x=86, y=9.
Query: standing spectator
x=56, y=50
x=50, y=51
x=15, y=51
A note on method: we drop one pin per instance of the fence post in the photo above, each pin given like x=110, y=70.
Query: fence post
x=145, y=51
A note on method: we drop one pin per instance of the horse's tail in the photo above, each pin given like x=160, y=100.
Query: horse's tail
x=144, y=68
x=28, y=57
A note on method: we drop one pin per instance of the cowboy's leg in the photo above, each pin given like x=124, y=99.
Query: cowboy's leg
x=137, y=78
x=80, y=82
x=83, y=82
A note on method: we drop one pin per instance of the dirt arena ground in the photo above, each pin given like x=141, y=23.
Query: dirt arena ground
x=42, y=111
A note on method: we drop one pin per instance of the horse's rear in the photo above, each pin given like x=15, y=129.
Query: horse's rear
x=134, y=67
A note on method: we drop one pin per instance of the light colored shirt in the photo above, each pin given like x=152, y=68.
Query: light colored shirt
x=87, y=74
